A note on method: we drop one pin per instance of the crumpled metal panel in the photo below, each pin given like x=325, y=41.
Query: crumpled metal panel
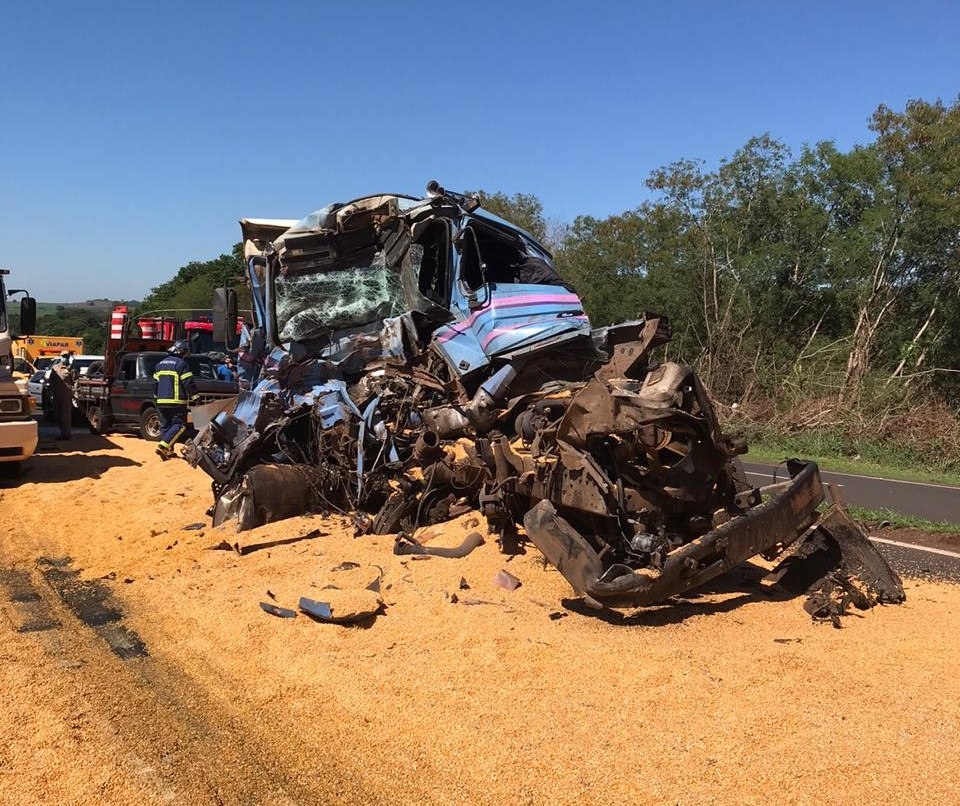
x=330, y=402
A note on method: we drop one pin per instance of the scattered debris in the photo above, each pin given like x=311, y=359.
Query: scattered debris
x=464, y=585
x=193, y=527
x=347, y=565
x=506, y=580
x=407, y=545
x=276, y=610
x=836, y=566
x=556, y=615
x=312, y=607
x=362, y=523
x=344, y=607
x=269, y=544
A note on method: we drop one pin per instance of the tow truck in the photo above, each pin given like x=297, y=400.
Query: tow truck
x=122, y=393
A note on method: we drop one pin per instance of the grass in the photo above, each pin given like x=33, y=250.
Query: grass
x=900, y=521
x=770, y=452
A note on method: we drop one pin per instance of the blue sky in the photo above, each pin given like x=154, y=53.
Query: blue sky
x=133, y=136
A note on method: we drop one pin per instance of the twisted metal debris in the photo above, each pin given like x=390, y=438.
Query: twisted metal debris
x=422, y=359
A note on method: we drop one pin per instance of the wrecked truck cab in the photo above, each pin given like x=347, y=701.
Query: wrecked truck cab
x=424, y=359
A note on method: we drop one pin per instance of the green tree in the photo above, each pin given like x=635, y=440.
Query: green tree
x=192, y=287
x=523, y=210
x=604, y=260
x=920, y=151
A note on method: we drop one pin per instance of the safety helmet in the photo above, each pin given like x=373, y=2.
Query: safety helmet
x=180, y=348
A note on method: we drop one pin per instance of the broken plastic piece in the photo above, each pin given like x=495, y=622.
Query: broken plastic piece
x=344, y=607
x=312, y=607
x=506, y=580
x=276, y=610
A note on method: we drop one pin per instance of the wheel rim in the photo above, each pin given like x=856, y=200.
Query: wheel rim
x=153, y=426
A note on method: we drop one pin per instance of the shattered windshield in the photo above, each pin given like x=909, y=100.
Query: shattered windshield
x=310, y=305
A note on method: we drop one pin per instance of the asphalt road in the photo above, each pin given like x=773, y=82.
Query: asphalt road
x=920, y=561
x=935, y=502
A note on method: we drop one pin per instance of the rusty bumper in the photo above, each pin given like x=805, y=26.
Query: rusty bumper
x=787, y=513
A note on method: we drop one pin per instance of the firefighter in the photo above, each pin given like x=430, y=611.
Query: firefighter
x=175, y=388
x=61, y=385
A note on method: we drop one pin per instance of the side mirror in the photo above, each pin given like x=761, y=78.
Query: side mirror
x=28, y=316
x=225, y=315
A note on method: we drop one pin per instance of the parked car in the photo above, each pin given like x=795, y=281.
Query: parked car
x=23, y=368
x=82, y=363
x=35, y=386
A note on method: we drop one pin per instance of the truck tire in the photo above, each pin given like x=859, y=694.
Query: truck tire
x=151, y=426
x=97, y=421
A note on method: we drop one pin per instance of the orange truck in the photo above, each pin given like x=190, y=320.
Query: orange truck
x=31, y=348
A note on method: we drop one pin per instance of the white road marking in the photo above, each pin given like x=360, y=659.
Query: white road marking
x=782, y=476
x=883, y=540
x=870, y=478
x=897, y=543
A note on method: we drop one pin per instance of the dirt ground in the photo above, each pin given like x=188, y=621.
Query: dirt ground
x=453, y=694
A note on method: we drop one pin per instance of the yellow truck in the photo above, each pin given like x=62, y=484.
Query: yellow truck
x=32, y=348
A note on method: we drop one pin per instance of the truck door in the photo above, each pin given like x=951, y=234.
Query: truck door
x=142, y=386
x=120, y=403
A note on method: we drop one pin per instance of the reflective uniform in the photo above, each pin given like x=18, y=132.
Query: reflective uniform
x=175, y=388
